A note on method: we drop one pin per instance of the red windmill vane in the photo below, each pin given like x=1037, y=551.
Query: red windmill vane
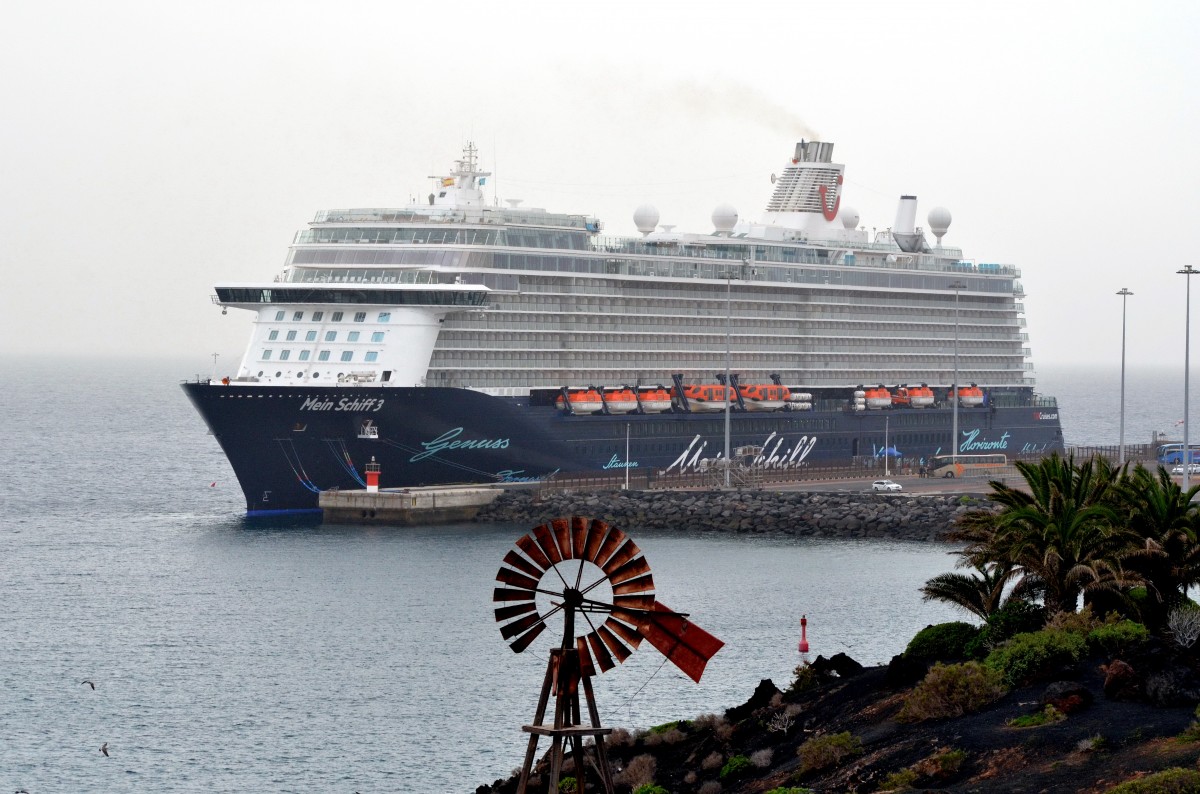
x=582, y=567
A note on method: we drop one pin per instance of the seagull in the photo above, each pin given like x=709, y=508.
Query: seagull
x=104, y=749
x=89, y=683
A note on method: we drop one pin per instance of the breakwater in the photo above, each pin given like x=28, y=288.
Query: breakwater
x=831, y=515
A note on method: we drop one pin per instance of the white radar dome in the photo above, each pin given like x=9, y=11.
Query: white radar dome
x=939, y=222
x=724, y=218
x=849, y=217
x=645, y=218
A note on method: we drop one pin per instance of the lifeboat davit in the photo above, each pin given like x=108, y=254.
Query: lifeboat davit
x=620, y=400
x=913, y=396
x=705, y=397
x=763, y=396
x=877, y=397
x=969, y=396
x=654, y=399
x=582, y=401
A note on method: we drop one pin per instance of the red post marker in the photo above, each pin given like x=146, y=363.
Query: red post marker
x=803, y=634
x=372, y=476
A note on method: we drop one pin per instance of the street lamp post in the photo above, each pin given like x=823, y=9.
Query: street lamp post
x=886, y=454
x=1188, y=271
x=728, y=323
x=1124, y=293
x=956, y=286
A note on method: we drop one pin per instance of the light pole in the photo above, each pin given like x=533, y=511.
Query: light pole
x=1188, y=271
x=626, y=456
x=1124, y=293
x=728, y=323
x=886, y=454
x=956, y=286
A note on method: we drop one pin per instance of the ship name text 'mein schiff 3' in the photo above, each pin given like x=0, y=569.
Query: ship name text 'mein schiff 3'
x=460, y=341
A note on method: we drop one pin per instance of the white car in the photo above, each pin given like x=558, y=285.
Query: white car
x=1193, y=468
x=886, y=485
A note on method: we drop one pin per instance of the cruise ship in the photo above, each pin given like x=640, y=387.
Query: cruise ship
x=462, y=340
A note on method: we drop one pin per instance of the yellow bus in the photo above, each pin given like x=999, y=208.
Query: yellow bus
x=962, y=465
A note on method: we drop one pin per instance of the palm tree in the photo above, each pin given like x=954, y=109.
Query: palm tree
x=1061, y=533
x=1165, y=547
x=981, y=595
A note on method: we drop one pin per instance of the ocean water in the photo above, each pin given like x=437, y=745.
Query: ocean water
x=295, y=658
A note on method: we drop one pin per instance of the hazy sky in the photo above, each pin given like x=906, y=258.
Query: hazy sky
x=149, y=150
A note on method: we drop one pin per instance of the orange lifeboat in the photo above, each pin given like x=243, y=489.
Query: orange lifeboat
x=654, y=399
x=969, y=396
x=620, y=400
x=913, y=396
x=582, y=401
x=763, y=396
x=877, y=397
x=705, y=397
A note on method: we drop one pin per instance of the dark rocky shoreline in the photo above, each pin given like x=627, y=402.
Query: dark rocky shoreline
x=925, y=517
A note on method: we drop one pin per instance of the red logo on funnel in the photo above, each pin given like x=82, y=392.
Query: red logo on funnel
x=830, y=213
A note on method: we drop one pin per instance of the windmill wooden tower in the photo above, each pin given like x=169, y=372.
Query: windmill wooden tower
x=595, y=580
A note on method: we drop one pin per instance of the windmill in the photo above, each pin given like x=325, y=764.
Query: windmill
x=581, y=567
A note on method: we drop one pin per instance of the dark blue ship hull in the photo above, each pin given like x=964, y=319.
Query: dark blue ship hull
x=286, y=445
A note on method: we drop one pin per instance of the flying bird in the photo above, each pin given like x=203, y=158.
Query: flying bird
x=89, y=683
x=104, y=749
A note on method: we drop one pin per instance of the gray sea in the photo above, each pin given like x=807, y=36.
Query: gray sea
x=229, y=656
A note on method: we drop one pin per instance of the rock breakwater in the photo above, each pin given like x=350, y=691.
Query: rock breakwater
x=831, y=515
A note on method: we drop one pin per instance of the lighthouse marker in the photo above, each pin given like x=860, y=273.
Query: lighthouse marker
x=372, y=476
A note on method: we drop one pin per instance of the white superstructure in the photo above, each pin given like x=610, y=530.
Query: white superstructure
x=455, y=292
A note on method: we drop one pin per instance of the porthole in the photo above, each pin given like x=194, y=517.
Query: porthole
x=316, y=374
x=278, y=374
x=260, y=373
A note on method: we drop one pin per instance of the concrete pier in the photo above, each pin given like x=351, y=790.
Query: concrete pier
x=442, y=505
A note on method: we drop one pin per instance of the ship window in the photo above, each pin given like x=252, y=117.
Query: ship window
x=337, y=317
x=311, y=336
x=273, y=336
x=377, y=336
x=316, y=374
x=304, y=355
x=279, y=316
x=298, y=316
x=291, y=336
x=316, y=318
x=284, y=355
x=372, y=356
x=347, y=355
x=266, y=356
x=385, y=317
x=360, y=317
x=323, y=355
x=352, y=336
x=330, y=336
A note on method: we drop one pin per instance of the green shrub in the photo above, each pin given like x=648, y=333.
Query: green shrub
x=568, y=785
x=1116, y=637
x=666, y=726
x=822, y=752
x=941, y=642
x=1017, y=616
x=1043, y=717
x=805, y=678
x=735, y=765
x=951, y=691
x=650, y=788
x=789, y=790
x=946, y=762
x=1027, y=657
x=898, y=781
x=1172, y=781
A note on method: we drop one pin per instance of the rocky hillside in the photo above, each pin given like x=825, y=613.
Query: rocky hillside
x=1081, y=727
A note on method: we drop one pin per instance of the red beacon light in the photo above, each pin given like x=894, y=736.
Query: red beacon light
x=803, y=634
